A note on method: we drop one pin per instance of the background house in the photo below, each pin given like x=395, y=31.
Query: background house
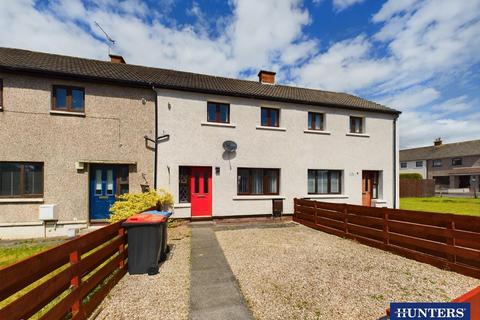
x=453, y=166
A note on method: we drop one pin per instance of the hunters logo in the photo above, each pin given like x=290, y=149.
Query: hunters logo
x=430, y=311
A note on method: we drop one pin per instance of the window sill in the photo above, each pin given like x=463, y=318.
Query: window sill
x=21, y=200
x=67, y=113
x=317, y=132
x=326, y=196
x=262, y=197
x=182, y=205
x=218, y=124
x=364, y=135
x=271, y=128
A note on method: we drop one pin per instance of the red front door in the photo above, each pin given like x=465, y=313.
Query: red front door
x=366, y=188
x=201, y=191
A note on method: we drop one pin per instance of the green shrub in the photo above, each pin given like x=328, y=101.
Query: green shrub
x=412, y=176
x=131, y=203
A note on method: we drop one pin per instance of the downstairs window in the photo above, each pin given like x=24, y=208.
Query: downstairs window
x=253, y=181
x=21, y=180
x=324, y=181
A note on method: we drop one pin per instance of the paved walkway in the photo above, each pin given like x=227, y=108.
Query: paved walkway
x=214, y=292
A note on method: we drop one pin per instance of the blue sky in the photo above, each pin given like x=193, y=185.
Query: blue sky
x=419, y=56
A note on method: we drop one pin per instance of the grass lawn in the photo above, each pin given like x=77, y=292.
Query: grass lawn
x=13, y=251
x=467, y=206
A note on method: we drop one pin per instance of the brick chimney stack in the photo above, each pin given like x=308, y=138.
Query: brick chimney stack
x=266, y=77
x=114, y=58
x=437, y=142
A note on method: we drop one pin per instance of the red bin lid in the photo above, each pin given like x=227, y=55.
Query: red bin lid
x=145, y=218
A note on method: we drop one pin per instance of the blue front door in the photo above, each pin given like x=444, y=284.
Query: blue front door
x=103, y=188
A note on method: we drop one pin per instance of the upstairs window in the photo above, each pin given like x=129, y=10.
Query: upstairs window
x=437, y=163
x=419, y=164
x=70, y=99
x=21, y=180
x=1, y=94
x=218, y=112
x=324, y=181
x=315, y=121
x=356, y=125
x=403, y=164
x=251, y=181
x=457, y=162
x=270, y=117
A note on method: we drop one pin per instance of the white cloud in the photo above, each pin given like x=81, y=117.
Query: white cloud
x=391, y=8
x=23, y=26
x=340, y=5
x=346, y=66
x=412, y=98
x=247, y=42
x=454, y=105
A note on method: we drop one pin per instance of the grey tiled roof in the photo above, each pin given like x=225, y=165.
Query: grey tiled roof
x=18, y=60
x=449, y=150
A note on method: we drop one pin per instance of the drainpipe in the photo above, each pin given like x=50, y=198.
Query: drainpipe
x=156, y=136
x=395, y=162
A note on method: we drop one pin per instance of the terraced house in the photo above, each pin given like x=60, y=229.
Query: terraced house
x=455, y=167
x=76, y=132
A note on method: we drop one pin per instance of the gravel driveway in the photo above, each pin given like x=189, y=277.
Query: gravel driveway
x=300, y=273
x=163, y=296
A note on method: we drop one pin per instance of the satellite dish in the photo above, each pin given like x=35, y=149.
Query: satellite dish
x=229, y=146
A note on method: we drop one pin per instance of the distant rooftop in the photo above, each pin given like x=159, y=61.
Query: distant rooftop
x=439, y=151
x=116, y=71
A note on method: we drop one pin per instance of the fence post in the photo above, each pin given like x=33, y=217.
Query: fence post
x=386, y=235
x=75, y=281
x=121, y=247
x=451, y=241
x=345, y=217
x=294, y=208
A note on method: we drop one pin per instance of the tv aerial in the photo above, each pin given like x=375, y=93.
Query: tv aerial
x=109, y=39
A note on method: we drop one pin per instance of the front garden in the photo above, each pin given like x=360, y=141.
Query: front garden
x=466, y=206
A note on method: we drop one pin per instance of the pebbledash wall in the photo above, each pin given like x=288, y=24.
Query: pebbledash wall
x=112, y=130
x=292, y=149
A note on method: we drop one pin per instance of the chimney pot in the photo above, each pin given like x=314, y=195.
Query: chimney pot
x=437, y=142
x=114, y=58
x=266, y=77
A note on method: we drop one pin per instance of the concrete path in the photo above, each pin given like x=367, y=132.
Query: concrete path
x=214, y=292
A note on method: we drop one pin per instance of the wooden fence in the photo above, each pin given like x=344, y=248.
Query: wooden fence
x=417, y=188
x=68, y=280
x=444, y=240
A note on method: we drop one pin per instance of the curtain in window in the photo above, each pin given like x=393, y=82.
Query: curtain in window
x=242, y=180
x=33, y=179
x=9, y=179
x=272, y=179
x=223, y=113
x=335, y=181
x=322, y=181
x=257, y=183
x=311, y=181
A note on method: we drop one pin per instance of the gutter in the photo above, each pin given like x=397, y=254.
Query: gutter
x=395, y=161
x=156, y=137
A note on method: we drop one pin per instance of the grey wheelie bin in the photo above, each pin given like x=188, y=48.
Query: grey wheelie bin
x=145, y=242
